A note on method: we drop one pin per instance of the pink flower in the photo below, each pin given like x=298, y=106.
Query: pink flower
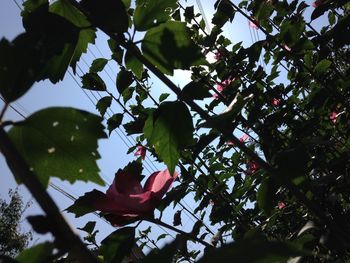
x=281, y=205
x=244, y=138
x=230, y=142
x=316, y=3
x=333, y=117
x=141, y=151
x=126, y=201
x=254, y=24
x=287, y=48
x=276, y=102
x=221, y=86
x=252, y=167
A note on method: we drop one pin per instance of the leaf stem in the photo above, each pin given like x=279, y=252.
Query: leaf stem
x=3, y=111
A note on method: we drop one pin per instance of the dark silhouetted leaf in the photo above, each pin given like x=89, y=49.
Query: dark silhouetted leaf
x=114, y=122
x=103, y=104
x=93, y=81
x=89, y=227
x=110, y=16
x=170, y=46
x=98, y=65
x=118, y=245
x=124, y=80
x=195, y=90
x=60, y=142
x=163, y=96
x=84, y=204
x=264, y=252
x=265, y=195
x=150, y=13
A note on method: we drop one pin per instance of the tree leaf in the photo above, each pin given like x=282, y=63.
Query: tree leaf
x=165, y=255
x=89, y=227
x=19, y=67
x=60, y=142
x=163, y=96
x=84, y=204
x=322, y=66
x=265, y=195
x=133, y=64
x=264, y=252
x=93, y=81
x=103, y=104
x=114, y=122
x=124, y=80
x=150, y=13
x=37, y=254
x=166, y=134
x=118, y=245
x=98, y=65
x=196, y=90
x=86, y=36
x=170, y=46
x=111, y=16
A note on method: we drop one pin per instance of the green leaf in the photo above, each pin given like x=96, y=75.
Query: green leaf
x=60, y=142
x=224, y=13
x=98, y=65
x=322, y=66
x=168, y=135
x=84, y=204
x=118, y=245
x=150, y=13
x=19, y=67
x=57, y=53
x=103, y=104
x=86, y=36
x=170, y=46
x=189, y=14
x=127, y=94
x=265, y=195
x=124, y=80
x=37, y=254
x=264, y=252
x=196, y=90
x=165, y=255
x=114, y=122
x=111, y=16
x=133, y=64
x=163, y=96
x=93, y=81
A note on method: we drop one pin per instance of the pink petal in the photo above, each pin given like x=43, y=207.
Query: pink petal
x=125, y=183
x=141, y=151
x=253, y=25
x=244, y=138
x=333, y=117
x=276, y=102
x=287, y=48
x=281, y=205
x=316, y=3
x=230, y=142
x=126, y=205
x=159, y=183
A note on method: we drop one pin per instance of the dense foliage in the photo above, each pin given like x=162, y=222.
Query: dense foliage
x=12, y=238
x=260, y=135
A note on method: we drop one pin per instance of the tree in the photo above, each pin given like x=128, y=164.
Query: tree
x=12, y=240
